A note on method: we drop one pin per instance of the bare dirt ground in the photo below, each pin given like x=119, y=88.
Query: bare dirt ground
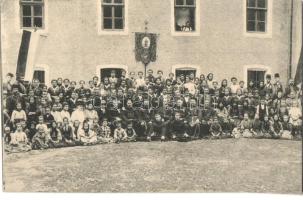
x=267, y=166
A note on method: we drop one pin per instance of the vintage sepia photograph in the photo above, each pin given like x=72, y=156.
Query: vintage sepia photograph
x=151, y=96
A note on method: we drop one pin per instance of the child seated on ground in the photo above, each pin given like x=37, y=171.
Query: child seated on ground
x=19, y=141
x=76, y=129
x=157, y=128
x=131, y=133
x=120, y=134
x=41, y=124
x=178, y=128
x=246, y=127
x=215, y=129
x=287, y=128
x=7, y=135
x=55, y=137
x=227, y=128
x=104, y=136
x=236, y=133
x=265, y=127
x=257, y=127
x=68, y=137
x=40, y=139
x=204, y=128
x=86, y=136
x=276, y=128
x=296, y=119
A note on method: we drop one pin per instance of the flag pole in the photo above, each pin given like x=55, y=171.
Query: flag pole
x=145, y=66
x=146, y=30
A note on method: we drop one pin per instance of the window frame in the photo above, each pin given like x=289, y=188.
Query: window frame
x=41, y=67
x=268, y=21
x=186, y=67
x=100, y=23
x=255, y=67
x=32, y=3
x=197, y=6
x=255, y=10
x=110, y=66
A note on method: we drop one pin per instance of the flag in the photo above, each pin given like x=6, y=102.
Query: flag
x=26, y=57
x=146, y=47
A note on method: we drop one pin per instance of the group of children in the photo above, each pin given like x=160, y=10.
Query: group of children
x=129, y=109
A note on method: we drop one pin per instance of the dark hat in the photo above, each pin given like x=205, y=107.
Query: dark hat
x=268, y=76
x=277, y=75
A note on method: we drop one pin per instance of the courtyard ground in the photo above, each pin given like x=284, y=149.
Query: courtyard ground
x=267, y=166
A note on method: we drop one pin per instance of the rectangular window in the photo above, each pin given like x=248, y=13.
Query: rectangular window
x=105, y=72
x=255, y=76
x=113, y=14
x=256, y=15
x=185, y=72
x=32, y=13
x=39, y=75
x=185, y=15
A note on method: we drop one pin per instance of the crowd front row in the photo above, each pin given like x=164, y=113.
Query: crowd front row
x=136, y=109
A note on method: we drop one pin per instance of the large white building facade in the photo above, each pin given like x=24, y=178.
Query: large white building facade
x=79, y=39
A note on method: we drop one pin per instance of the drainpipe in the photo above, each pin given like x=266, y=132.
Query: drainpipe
x=290, y=40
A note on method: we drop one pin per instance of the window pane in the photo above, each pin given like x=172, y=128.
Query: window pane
x=107, y=23
x=185, y=19
x=118, y=1
x=190, y=2
x=261, y=3
x=250, y=26
x=107, y=11
x=261, y=15
x=251, y=14
x=107, y=1
x=179, y=2
x=26, y=22
x=38, y=22
x=261, y=26
x=118, y=11
x=26, y=10
x=118, y=23
x=37, y=10
x=251, y=3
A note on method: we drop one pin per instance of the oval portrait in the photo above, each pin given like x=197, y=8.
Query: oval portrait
x=146, y=42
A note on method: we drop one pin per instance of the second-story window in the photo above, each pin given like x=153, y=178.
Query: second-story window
x=185, y=14
x=32, y=13
x=256, y=15
x=113, y=14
